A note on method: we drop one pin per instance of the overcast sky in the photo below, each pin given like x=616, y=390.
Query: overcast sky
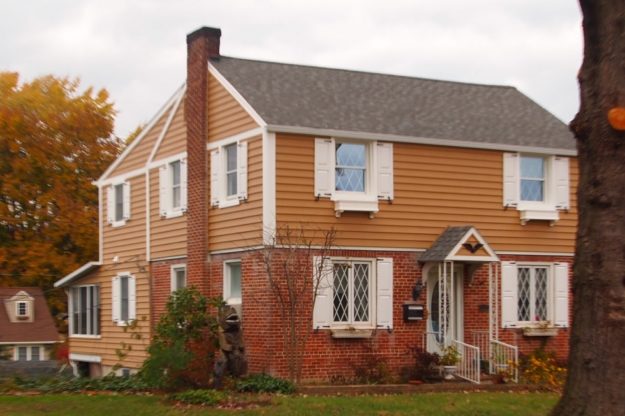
x=137, y=51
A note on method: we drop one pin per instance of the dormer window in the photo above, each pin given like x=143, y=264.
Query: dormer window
x=21, y=309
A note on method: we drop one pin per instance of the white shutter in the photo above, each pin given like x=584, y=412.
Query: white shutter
x=322, y=314
x=110, y=205
x=561, y=292
x=510, y=179
x=385, y=293
x=324, y=167
x=126, y=192
x=561, y=181
x=509, y=301
x=385, y=170
x=132, y=298
x=163, y=182
x=215, y=187
x=183, y=184
x=116, y=299
x=242, y=170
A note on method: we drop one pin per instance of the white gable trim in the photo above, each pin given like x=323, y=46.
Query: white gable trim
x=78, y=273
x=418, y=140
x=139, y=138
x=472, y=232
x=170, y=118
x=236, y=95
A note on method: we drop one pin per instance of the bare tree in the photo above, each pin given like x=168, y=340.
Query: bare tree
x=596, y=361
x=295, y=266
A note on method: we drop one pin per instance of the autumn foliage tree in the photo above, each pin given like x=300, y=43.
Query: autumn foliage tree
x=54, y=141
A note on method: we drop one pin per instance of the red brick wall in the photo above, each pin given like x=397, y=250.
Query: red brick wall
x=160, y=272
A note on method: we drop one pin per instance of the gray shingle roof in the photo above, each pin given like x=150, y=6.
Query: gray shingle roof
x=323, y=98
x=444, y=244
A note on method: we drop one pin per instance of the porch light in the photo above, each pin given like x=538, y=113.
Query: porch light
x=416, y=290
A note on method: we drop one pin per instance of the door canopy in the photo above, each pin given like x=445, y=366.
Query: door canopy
x=463, y=243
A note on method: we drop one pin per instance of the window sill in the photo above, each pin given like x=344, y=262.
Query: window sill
x=540, y=332
x=173, y=214
x=546, y=214
x=116, y=224
x=351, y=333
x=80, y=336
x=355, y=205
x=228, y=203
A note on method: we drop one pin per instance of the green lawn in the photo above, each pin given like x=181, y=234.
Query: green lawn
x=500, y=404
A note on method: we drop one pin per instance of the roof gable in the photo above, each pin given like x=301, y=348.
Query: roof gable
x=351, y=101
x=462, y=243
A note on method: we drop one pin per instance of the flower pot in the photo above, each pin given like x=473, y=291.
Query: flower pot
x=449, y=372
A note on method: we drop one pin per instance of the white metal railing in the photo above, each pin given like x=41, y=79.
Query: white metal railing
x=469, y=365
x=480, y=339
x=504, y=359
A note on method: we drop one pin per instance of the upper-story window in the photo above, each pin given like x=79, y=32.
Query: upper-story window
x=178, y=277
x=534, y=294
x=354, y=174
x=124, y=299
x=538, y=186
x=351, y=167
x=173, y=188
x=118, y=204
x=21, y=309
x=228, y=174
x=84, y=309
x=532, y=178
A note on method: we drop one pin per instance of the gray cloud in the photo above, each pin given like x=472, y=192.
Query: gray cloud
x=136, y=49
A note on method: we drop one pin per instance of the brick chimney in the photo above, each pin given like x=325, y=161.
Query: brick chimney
x=202, y=44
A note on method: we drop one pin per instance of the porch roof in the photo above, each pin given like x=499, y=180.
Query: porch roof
x=454, y=244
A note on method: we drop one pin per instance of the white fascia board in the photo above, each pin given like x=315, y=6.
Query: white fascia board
x=160, y=162
x=419, y=140
x=34, y=343
x=170, y=118
x=122, y=178
x=145, y=131
x=236, y=95
x=78, y=273
x=85, y=357
x=536, y=253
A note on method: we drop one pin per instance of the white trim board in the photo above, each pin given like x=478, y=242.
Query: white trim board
x=535, y=253
x=33, y=343
x=139, y=138
x=269, y=186
x=418, y=140
x=165, y=129
x=249, y=134
x=85, y=357
x=76, y=274
x=236, y=95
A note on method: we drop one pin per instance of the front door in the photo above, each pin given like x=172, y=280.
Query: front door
x=453, y=312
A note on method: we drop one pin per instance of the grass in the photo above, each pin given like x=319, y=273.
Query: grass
x=477, y=403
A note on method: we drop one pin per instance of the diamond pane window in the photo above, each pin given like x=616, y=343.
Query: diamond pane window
x=351, y=162
x=532, y=178
x=533, y=293
x=341, y=293
x=361, y=292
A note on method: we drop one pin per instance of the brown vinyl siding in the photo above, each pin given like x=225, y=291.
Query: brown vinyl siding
x=174, y=141
x=113, y=337
x=127, y=240
x=241, y=225
x=225, y=116
x=138, y=157
x=168, y=236
x=435, y=187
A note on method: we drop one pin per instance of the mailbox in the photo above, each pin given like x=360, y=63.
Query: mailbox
x=413, y=312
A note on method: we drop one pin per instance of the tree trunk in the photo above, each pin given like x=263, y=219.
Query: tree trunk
x=595, y=384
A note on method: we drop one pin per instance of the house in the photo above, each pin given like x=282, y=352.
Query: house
x=27, y=331
x=454, y=206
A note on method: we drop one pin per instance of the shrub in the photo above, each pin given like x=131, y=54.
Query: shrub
x=199, y=397
x=71, y=384
x=542, y=368
x=264, y=383
x=425, y=365
x=182, y=352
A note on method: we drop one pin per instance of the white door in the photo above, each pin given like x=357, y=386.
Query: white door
x=455, y=320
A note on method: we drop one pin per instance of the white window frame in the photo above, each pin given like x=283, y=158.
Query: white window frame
x=112, y=203
x=369, y=324
x=29, y=352
x=558, y=294
x=26, y=313
x=378, y=176
x=219, y=175
x=91, y=332
x=228, y=283
x=556, y=187
x=173, y=279
x=117, y=306
x=532, y=300
x=166, y=192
